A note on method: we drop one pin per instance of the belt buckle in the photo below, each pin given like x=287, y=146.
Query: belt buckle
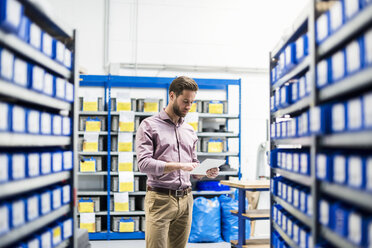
x=179, y=193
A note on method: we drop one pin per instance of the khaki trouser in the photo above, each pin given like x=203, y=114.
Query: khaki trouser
x=168, y=220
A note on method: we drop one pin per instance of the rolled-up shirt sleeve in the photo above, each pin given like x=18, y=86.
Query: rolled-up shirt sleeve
x=145, y=150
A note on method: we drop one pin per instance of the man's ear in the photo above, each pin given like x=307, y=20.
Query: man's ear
x=172, y=95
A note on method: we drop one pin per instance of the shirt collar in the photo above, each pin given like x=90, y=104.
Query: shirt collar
x=164, y=116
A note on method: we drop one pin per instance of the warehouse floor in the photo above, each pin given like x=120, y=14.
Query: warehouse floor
x=141, y=243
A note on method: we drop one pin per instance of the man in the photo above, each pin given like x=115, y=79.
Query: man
x=165, y=147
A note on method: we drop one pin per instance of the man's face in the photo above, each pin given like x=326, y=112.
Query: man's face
x=182, y=104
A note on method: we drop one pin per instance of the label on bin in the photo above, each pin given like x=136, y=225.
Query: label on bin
x=123, y=106
x=57, y=235
x=90, y=104
x=88, y=166
x=193, y=107
x=88, y=221
x=151, y=106
x=93, y=126
x=215, y=108
x=126, y=126
x=90, y=147
x=86, y=207
x=214, y=146
x=125, y=166
x=126, y=226
x=121, y=206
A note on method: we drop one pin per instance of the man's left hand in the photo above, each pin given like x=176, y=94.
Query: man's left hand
x=213, y=173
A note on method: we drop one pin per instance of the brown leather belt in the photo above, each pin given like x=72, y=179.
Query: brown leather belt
x=175, y=193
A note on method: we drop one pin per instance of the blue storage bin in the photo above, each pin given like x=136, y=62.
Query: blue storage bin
x=4, y=218
x=281, y=63
x=340, y=219
x=46, y=238
x=272, y=103
x=35, y=36
x=319, y=117
x=67, y=228
x=367, y=48
x=305, y=237
x=355, y=114
x=322, y=27
x=278, y=129
x=336, y=18
x=68, y=59
x=66, y=194
x=324, y=167
x=289, y=161
x=323, y=76
x=20, y=72
x=48, y=84
x=308, y=84
x=367, y=110
x=296, y=232
x=296, y=162
x=301, y=87
x=34, y=241
x=274, y=158
x=338, y=66
x=290, y=192
x=4, y=167
x=33, y=122
x=354, y=57
x=60, y=88
x=57, y=234
x=47, y=44
x=46, y=163
x=5, y=117
x=32, y=207
x=212, y=185
x=273, y=75
x=33, y=164
x=58, y=51
x=365, y=3
x=357, y=173
x=290, y=221
x=45, y=202
x=369, y=173
x=69, y=92
x=305, y=163
x=6, y=64
x=46, y=123
x=68, y=160
x=17, y=213
x=340, y=169
x=57, y=125
x=11, y=12
x=284, y=125
x=36, y=77
x=351, y=8
x=66, y=126
x=57, y=161
x=277, y=99
x=285, y=96
x=339, y=117
x=284, y=190
x=325, y=213
x=290, y=56
x=294, y=91
x=56, y=197
x=18, y=119
x=24, y=29
x=304, y=124
x=273, y=130
x=18, y=163
x=358, y=229
x=302, y=48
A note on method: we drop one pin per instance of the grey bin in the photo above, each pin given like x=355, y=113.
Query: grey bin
x=205, y=141
x=115, y=123
x=132, y=100
x=96, y=202
x=135, y=164
x=83, y=120
x=100, y=143
x=99, y=103
x=116, y=220
x=115, y=163
x=98, y=223
x=141, y=104
x=143, y=223
x=98, y=161
x=115, y=184
x=206, y=106
x=131, y=203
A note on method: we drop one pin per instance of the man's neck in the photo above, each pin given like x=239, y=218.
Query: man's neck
x=175, y=118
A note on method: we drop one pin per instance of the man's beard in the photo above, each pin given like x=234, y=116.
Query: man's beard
x=177, y=110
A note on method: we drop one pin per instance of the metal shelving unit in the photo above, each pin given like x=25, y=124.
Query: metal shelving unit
x=109, y=82
x=27, y=98
x=353, y=85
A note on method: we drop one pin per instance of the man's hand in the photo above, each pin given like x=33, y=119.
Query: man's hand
x=213, y=173
x=188, y=166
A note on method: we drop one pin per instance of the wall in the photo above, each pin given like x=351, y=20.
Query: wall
x=230, y=33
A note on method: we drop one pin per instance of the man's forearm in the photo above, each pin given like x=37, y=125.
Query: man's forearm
x=171, y=166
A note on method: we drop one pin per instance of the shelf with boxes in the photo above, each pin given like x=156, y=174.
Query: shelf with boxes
x=332, y=123
x=105, y=163
x=38, y=78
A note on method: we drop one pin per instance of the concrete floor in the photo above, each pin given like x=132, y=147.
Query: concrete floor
x=142, y=244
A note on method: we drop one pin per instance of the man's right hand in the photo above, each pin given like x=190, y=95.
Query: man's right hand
x=188, y=166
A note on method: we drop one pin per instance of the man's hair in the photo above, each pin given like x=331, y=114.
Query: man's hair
x=183, y=83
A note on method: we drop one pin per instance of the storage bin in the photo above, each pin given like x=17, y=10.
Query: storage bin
x=215, y=107
x=131, y=203
x=83, y=123
x=214, y=145
x=149, y=105
x=98, y=223
x=133, y=105
x=10, y=15
x=336, y=16
x=96, y=159
x=338, y=65
x=115, y=226
x=354, y=58
x=84, y=207
x=97, y=105
x=322, y=27
x=339, y=117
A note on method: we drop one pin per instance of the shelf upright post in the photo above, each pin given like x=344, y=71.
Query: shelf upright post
x=314, y=139
x=270, y=145
x=108, y=86
x=75, y=138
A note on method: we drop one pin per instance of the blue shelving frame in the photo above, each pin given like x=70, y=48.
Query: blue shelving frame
x=110, y=81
